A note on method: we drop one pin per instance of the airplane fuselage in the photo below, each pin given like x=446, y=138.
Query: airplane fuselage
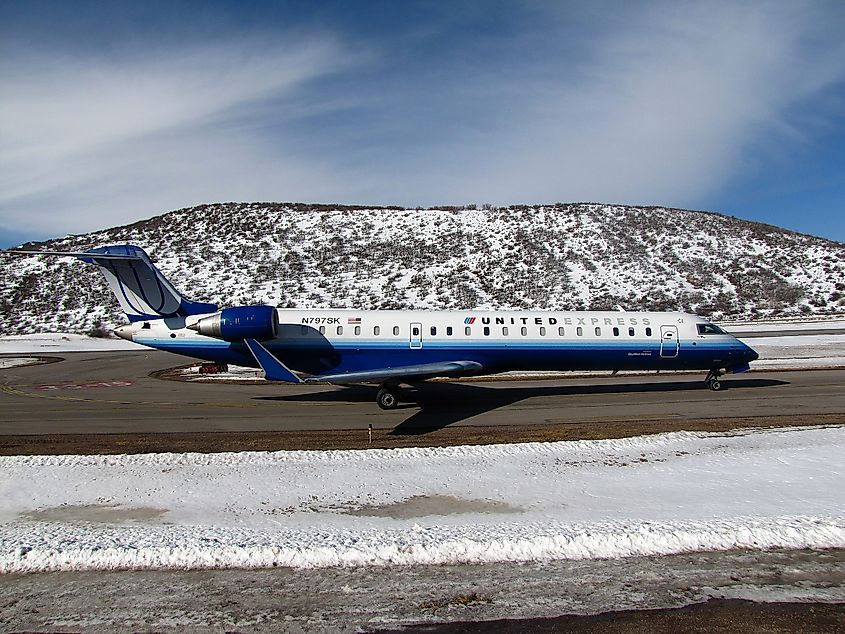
x=329, y=342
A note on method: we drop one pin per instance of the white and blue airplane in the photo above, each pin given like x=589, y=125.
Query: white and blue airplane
x=392, y=347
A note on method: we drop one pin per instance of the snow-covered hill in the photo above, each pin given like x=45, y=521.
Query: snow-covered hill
x=563, y=256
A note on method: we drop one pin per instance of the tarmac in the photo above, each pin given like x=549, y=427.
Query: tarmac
x=113, y=393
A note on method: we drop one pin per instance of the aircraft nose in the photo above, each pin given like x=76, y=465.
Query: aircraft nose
x=750, y=354
x=124, y=332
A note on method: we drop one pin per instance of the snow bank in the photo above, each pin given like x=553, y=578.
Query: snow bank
x=817, y=323
x=652, y=495
x=62, y=342
x=798, y=352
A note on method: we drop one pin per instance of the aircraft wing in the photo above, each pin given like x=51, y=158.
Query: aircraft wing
x=275, y=370
x=407, y=373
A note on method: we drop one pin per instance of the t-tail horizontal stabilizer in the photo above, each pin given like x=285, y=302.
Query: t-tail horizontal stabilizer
x=141, y=289
x=274, y=370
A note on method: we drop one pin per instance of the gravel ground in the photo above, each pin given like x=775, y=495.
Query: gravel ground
x=792, y=591
x=62, y=444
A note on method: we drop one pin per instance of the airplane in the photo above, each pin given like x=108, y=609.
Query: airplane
x=394, y=347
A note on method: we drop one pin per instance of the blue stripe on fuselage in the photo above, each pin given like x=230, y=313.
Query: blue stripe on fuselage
x=360, y=355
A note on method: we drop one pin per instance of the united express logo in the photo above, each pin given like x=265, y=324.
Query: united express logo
x=561, y=319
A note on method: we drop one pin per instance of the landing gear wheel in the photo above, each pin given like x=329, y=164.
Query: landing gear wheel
x=387, y=398
x=712, y=380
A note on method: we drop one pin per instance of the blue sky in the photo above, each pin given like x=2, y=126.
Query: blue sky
x=115, y=111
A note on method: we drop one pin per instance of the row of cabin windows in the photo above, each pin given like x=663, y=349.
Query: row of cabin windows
x=468, y=331
x=560, y=331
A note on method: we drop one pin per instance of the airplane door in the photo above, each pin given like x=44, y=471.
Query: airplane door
x=669, y=342
x=416, y=336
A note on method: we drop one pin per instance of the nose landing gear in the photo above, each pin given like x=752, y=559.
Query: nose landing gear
x=712, y=380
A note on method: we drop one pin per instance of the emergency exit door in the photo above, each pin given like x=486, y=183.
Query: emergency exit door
x=416, y=336
x=669, y=342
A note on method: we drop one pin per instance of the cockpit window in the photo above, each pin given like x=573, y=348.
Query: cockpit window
x=710, y=329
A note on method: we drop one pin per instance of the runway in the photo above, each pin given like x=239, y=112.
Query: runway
x=113, y=393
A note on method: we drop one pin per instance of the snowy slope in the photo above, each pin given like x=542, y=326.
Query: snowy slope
x=563, y=256
x=651, y=495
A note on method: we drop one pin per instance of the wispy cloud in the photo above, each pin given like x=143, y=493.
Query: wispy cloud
x=665, y=106
x=90, y=141
x=661, y=103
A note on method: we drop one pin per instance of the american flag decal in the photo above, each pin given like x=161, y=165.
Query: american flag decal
x=469, y=320
x=354, y=321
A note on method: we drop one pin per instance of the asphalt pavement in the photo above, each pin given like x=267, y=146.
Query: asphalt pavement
x=113, y=392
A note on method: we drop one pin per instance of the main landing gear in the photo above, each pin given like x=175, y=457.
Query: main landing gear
x=712, y=380
x=388, y=396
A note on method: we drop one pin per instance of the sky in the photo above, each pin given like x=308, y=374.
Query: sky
x=111, y=112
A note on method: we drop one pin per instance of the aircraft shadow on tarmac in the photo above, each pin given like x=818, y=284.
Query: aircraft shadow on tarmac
x=443, y=404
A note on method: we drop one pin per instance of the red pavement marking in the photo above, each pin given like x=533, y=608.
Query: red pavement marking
x=82, y=386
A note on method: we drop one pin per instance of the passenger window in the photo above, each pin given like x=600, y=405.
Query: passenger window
x=376, y=330
x=505, y=331
x=524, y=331
x=616, y=332
x=340, y=330
x=648, y=332
x=598, y=331
x=486, y=331
x=395, y=330
x=467, y=331
x=449, y=330
x=357, y=330
x=630, y=332
x=322, y=330
x=579, y=331
x=560, y=331
x=542, y=331
x=416, y=331
x=433, y=331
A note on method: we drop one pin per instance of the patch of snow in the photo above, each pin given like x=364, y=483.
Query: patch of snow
x=798, y=352
x=16, y=362
x=62, y=342
x=652, y=495
x=784, y=324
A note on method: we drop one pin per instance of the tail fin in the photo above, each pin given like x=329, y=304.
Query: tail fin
x=143, y=292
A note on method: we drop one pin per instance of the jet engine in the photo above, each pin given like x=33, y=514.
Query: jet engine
x=239, y=323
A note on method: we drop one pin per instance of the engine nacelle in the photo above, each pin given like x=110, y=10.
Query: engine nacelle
x=239, y=323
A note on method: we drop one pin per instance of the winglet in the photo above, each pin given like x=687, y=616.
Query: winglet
x=274, y=370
